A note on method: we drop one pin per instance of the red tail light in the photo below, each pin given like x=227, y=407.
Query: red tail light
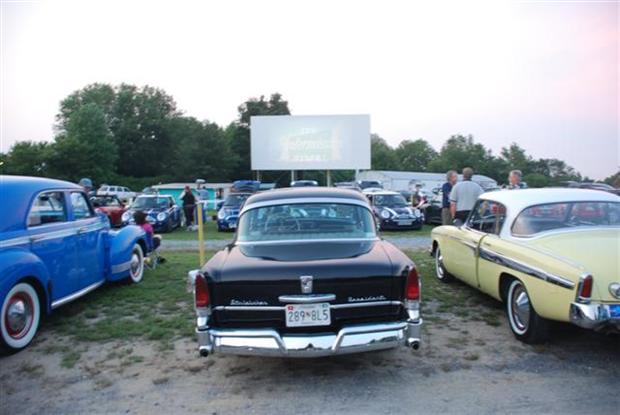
x=585, y=288
x=201, y=292
x=412, y=291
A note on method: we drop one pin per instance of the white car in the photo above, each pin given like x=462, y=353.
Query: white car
x=123, y=193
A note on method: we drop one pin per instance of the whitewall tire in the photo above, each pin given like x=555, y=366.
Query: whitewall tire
x=136, y=264
x=20, y=317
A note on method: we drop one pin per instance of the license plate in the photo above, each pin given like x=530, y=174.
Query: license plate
x=614, y=311
x=302, y=315
x=233, y=225
x=405, y=222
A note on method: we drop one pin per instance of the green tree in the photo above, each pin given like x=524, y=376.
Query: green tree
x=415, y=155
x=239, y=133
x=28, y=158
x=556, y=170
x=461, y=151
x=86, y=148
x=382, y=156
x=613, y=180
x=536, y=180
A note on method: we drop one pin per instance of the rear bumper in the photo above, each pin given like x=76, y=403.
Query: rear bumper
x=350, y=339
x=594, y=316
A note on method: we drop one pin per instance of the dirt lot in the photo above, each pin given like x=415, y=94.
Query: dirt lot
x=129, y=349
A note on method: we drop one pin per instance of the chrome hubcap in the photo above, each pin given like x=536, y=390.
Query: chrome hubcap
x=135, y=264
x=439, y=265
x=520, y=308
x=18, y=317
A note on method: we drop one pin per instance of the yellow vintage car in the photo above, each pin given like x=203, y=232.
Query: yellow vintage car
x=548, y=254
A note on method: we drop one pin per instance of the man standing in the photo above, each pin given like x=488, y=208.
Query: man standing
x=189, y=202
x=446, y=215
x=514, y=180
x=464, y=195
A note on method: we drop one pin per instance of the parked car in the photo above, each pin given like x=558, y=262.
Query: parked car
x=149, y=191
x=228, y=214
x=305, y=276
x=55, y=248
x=393, y=212
x=549, y=254
x=111, y=206
x=123, y=193
x=245, y=186
x=364, y=184
x=304, y=183
x=432, y=209
x=162, y=212
x=347, y=185
x=594, y=186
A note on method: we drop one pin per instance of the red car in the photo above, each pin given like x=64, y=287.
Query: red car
x=111, y=206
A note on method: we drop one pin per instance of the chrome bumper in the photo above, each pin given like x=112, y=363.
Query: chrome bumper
x=593, y=316
x=350, y=339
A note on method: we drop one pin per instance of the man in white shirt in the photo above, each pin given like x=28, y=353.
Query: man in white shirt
x=464, y=195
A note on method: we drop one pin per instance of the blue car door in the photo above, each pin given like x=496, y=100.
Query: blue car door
x=53, y=240
x=90, y=240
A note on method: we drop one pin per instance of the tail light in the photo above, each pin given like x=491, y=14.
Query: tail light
x=412, y=291
x=584, y=292
x=201, y=292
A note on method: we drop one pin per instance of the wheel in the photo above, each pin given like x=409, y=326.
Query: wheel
x=440, y=270
x=169, y=226
x=21, y=314
x=136, y=267
x=525, y=323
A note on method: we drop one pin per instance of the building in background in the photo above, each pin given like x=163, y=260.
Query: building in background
x=400, y=181
x=215, y=191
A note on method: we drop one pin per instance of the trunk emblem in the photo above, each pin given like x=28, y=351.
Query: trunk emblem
x=306, y=284
x=614, y=289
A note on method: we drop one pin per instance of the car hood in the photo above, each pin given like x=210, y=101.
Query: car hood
x=593, y=251
x=153, y=211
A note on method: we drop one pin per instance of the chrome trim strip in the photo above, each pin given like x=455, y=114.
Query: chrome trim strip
x=307, y=298
x=15, y=241
x=40, y=237
x=503, y=260
x=76, y=295
x=306, y=200
x=121, y=267
x=307, y=241
x=331, y=306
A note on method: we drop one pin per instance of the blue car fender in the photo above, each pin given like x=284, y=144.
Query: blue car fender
x=121, y=244
x=18, y=264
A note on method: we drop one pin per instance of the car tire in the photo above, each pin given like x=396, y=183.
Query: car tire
x=169, y=226
x=440, y=270
x=136, y=267
x=20, y=317
x=524, y=321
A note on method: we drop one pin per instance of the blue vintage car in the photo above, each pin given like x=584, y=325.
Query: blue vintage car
x=162, y=212
x=228, y=215
x=55, y=248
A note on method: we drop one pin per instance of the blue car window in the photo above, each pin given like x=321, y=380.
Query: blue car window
x=48, y=207
x=81, y=208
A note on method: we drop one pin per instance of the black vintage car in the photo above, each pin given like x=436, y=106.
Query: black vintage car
x=306, y=276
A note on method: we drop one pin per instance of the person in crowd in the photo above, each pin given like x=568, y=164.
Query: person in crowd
x=464, y=195
x=189, y=203
x=152, y=241
x=203, y=194
x=514, y=180
x=87, y=184
x=446, y=214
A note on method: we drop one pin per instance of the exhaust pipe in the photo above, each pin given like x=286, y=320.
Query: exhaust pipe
x=204, y=352
x=413, y=343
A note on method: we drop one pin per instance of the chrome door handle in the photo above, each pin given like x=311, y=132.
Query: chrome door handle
x=35, y=238
x=82, y=230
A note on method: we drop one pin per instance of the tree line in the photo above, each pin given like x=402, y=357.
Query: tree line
x=136, y=136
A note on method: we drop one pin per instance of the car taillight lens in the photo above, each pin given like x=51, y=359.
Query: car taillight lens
x=585, y=288
x=201, y=292
x=413, y=285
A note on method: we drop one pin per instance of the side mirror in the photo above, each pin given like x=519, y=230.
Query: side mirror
x=457, y=222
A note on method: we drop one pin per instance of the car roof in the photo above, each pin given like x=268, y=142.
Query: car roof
x=154, y=195
x=305, y=192
x=16, y=193
x=383, y=193
x=519, y=199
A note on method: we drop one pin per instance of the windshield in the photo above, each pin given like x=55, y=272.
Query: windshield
x=306, y=221
x=104, y=201
x=552, y=216
x=151, y=203
x=235, y=200
x=389, y=200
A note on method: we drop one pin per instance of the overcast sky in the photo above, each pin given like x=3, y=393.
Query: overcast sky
x=543, y=74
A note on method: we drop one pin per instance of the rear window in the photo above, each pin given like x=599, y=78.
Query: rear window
x=306, y=221
x=541, y=218
x=47, y=208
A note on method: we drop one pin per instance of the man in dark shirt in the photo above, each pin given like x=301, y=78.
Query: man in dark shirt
x=189, y=202
x=446, y=215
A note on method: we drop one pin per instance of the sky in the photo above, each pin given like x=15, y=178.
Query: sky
x=543, y=74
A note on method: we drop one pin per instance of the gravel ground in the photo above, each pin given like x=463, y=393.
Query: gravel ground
x=405, y=243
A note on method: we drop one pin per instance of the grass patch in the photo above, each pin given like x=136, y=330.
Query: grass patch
x=159, y=308
x=425, y=231
x=70, y=359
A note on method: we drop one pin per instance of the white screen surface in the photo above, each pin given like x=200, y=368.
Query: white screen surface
x=310, y=142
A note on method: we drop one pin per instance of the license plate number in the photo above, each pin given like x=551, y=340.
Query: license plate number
x=302, y=315
x=405, y=222
x=614, y=311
